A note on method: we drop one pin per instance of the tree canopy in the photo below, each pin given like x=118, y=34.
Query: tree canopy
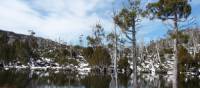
x=170, y=9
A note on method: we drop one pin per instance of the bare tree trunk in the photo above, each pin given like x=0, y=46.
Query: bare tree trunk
x=175, y=83
x=158, y=53
x=141, y=51
x=134, y=57
x=115, y=48
x=194, y=44
x=115, y=56
x=175, y=65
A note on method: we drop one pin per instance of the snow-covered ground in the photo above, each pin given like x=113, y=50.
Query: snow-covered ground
x=47, y=63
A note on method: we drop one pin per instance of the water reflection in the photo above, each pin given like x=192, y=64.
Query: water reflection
x=114, y=81
x=63, y=79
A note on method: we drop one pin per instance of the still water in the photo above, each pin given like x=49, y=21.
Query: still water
x=63, y=79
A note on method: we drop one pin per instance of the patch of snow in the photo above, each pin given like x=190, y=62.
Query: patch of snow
x=6, y=68
x=56, y=72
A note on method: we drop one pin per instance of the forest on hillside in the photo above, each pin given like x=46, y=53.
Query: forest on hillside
x=119, y=49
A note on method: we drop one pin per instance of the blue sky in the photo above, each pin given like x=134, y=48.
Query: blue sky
x=67, y=19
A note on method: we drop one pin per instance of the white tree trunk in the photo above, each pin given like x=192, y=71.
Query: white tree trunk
x=113, y=83
x=115, y=54
x=194, y=44
x=158, y=53
x=175, y=75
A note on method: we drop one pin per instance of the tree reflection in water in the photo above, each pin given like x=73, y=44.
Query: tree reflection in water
x=54, y=79
x=114, y=81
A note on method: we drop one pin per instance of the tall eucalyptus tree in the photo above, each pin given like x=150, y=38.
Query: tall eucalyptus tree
x=175, y=11
x=128, y=19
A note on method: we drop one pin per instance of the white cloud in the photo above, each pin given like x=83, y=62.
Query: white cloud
x=52, y=18
x=66, y=19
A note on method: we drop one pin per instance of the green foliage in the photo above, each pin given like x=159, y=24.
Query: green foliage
x=125, y=19
x=182, y=38
x=184, y=58
x=111, y=39
x=6, y=53
x=101, y=57
x=3, y=38
x=98, y=35
x=177, y=11
x=22, y=51
x=183, y=55
x=60, y=55
x=91, y=41
x=88, y=52
x=197, y=57
x=123, y=64
x=72, y=61
x=12, y=49
x=98, y=56
x=128, y=18
x=196, y=61
x=168, y=9
x=168, y=50
x=77, y=48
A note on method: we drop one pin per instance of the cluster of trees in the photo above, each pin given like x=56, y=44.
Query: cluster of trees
x=188, y=49
x=17, y=49
x=13, y=50
x=128, y=20
x=96, y=54
x=106, y=49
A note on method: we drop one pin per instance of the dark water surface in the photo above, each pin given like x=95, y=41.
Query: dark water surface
x=63, y=79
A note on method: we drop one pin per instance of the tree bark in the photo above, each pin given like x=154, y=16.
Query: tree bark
x=115, y=56
x=158, y=53
x=175, y=83
x=134, y=57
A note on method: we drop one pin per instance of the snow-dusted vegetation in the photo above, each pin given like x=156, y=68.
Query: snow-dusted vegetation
x=115, y=54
